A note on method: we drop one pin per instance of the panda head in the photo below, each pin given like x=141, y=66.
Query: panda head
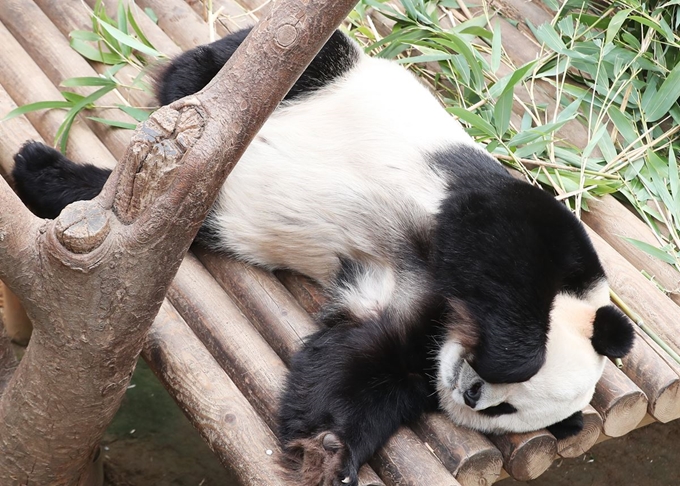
x=529, y=322
x=583, y=332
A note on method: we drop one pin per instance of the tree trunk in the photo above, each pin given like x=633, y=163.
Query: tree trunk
x=93, y=279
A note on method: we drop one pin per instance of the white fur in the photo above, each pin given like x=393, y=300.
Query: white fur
x=309, y=187
x=563, y=385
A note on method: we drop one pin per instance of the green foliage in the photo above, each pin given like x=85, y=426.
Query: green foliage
x=115, y=42
x=614, y=72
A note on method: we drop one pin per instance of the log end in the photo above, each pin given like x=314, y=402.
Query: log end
x=526, y=456
x=582, y=442
x=666, y=407
x=625, y=414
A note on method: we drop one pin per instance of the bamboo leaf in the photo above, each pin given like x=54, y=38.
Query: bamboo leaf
x=94, y=54
x=650, y=250
x=37, y=106
x=129, y=41
x=137, y=113
x=87, y=81
x=114, y=123
x=615, y=24
x=669, y=92
x=474, y=120
x=502, y=112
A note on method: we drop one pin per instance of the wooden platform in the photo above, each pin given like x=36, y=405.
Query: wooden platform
x=225, y=334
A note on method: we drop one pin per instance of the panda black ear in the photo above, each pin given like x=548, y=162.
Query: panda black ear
x=571, y=425
x=613, y=333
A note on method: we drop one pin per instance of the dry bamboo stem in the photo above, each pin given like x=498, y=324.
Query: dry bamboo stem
x=213, y=403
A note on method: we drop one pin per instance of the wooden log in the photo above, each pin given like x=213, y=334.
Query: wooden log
x=12, y=133
x=179, y=22
x=620, y=403
x=232, y=340
x=467, y=454
x=612, y=221
x=229, y=336
x=263, y=300
x=526, y=456
x=16, y=67
x=159, y=39
x=210, y=399
x=308, y=294
x=660, y=313
x=51, y=51
x=232, y=16
x=582, y=442
x=72, y=15
x=417, y=464
x=17, y=324
x=660, y=383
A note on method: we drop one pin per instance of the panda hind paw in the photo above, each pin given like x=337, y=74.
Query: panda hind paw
x=318, y=461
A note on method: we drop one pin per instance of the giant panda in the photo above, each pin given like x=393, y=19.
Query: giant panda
x=451, y=284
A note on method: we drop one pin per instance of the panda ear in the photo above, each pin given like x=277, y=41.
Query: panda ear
x=568, y=427
x=613, y=333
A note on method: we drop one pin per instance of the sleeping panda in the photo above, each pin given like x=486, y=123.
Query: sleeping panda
x=451, y=284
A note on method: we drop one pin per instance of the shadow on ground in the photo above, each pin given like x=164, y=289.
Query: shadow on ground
x=151, y=443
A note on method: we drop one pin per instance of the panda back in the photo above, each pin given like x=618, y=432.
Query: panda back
x=343, y=171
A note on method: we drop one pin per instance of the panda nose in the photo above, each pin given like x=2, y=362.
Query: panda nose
x=472, y=394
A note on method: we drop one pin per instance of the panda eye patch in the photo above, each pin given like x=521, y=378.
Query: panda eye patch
x=501, y=409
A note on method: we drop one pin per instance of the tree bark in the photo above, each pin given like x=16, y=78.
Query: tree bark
x=93, y=279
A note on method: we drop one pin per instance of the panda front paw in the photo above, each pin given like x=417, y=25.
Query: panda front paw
x=33, y=157
x=47, y=181
x=322, y=460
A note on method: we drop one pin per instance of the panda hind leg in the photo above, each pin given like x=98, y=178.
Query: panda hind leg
x=349, y=389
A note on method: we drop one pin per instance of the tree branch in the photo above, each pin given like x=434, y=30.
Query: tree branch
x=99, y=272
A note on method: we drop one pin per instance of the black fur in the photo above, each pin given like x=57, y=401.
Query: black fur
x=515, y=248
x=193, y=70
x=613, y=333
x=504, y=408
x=47, y=181
x=502, y=247
x=568, y=427
x=360, y=383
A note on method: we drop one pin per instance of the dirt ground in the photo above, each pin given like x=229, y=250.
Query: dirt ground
x=151, y=443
